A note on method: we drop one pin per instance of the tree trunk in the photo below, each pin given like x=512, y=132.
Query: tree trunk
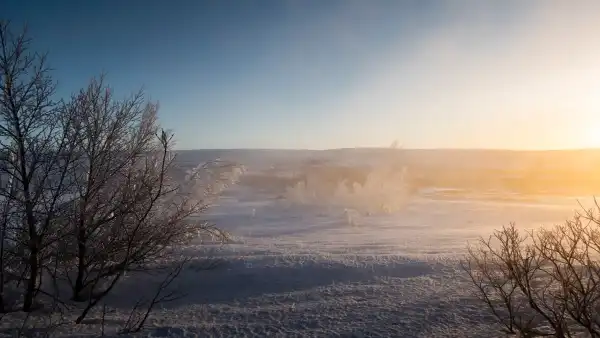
x=81, y=252
x=32, y=282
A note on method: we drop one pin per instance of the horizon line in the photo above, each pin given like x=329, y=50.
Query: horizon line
x=399, y=148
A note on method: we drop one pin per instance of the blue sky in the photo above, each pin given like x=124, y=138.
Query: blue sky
x=338, y=73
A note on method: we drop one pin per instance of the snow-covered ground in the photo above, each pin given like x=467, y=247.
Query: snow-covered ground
x=304, y=271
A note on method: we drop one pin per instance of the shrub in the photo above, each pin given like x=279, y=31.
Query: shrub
x=544, y=282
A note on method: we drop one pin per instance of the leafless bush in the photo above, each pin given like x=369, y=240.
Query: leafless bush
x=544, y=282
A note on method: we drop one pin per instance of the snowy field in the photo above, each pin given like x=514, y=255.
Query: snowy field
x=304, y=270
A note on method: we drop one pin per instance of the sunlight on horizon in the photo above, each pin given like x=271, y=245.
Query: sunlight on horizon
x=534, y=84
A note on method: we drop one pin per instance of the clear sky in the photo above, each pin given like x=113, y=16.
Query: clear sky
x=339, y=73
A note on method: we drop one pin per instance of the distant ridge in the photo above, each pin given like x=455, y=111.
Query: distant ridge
x=398, y=149
x=469, y=149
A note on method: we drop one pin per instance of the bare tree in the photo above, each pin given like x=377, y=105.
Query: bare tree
x=126, y=211
x=86, y=194
x=36, y=157
x=542, y=283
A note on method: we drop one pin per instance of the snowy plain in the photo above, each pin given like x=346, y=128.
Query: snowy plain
x=302, y=270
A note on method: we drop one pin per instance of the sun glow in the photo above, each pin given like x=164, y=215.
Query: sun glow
x=589, y=103
x=592, y=136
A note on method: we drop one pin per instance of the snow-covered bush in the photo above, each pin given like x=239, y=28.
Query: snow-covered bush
x=384, y=190
x=211, y=178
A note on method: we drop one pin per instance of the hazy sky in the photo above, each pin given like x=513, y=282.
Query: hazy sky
x=327, y=74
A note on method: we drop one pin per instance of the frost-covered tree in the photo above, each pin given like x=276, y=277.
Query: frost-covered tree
x=86, y=193
x=36, y=157
x=126, y=211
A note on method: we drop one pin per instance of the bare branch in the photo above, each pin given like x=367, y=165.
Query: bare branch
x=549, y=278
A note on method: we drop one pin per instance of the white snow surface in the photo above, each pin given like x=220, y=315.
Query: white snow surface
x=304, y=271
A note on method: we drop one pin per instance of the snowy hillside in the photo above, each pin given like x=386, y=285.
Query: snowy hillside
x=298, y=268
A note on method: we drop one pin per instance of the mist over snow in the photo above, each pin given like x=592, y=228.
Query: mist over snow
x=342, y=243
